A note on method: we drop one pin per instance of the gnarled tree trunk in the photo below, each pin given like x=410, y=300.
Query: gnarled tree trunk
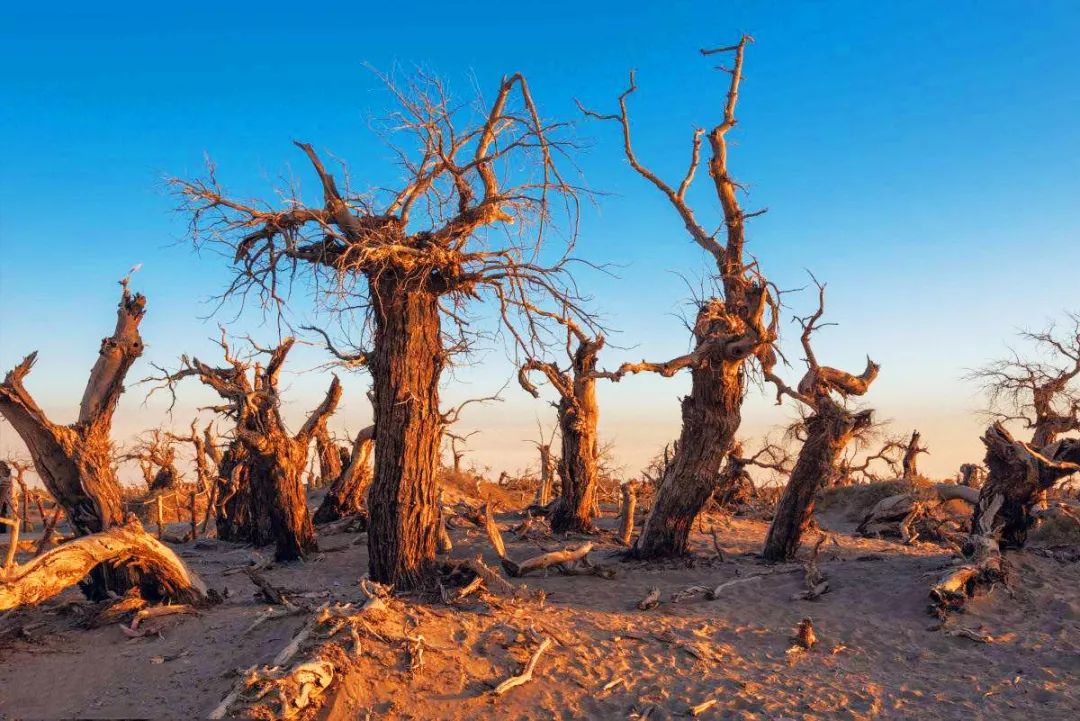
x=1019, y=474
x=543, y=491
x=711, y=415
x=828, y=430
x=346, y=494
x=406, y=362
x=76, y=462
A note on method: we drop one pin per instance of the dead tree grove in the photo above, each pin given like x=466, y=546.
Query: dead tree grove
x=469, y=220
x=578, y=415
x=260, y=497
x=76, y=462
x=729, y=330
x=829, y=426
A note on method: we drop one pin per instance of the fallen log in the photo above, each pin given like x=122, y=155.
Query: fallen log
x=166, y=576
x=546, y=560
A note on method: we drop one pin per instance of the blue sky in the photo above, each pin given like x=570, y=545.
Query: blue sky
x=922, y=157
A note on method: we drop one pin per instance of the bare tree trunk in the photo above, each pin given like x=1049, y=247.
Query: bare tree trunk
x=76, y=462
x=346, y=494
x=232, y=514
x=911, y=457
x=574, y=512
x=406, y=363
x=711, y=415
x=279, y=513
x=828, y=431
x=626, y=517
x=330, y=458
x=1019, y=474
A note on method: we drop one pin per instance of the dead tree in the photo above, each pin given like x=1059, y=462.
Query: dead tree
x=579, y=415
x=1019, y=474
x=457, y=453
x=411, y=259
x=261, y=490
x=76, y=462
x=155, y=449
x=729, y=330
x=205, y=453
x=333, y=458
x=735, y=487
x=1043, y=395
x=547, y=469
x=163, y=575
x=829, y=426
x=346, y=494
x=911, y=457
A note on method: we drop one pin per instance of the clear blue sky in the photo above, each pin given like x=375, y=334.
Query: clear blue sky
x=922, y=157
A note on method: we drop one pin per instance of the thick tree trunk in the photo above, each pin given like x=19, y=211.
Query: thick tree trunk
x=76, y=462
x=232, y=514
x=406, y=363
x=711, y=415
x=1018, y=475
x=279, y=513
x=346, y=494
x=828, y=431
x=575, y=509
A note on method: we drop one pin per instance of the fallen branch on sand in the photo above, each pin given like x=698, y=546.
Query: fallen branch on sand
x=546, y=560
x=526, y=675
x=165, y=575
x=652, y=600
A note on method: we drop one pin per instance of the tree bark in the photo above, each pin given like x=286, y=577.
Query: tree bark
x=76, y=462
x=346, y=494
x=828, y=430
x=578, y=418
x=543, y=493
x=406, y=363
x=711, y=415
x=278, y=505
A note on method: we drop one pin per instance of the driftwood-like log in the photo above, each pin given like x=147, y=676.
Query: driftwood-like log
x=165, y=576
x=526, y=675
x=651, y=600
x=493, y=533
x=546, y=560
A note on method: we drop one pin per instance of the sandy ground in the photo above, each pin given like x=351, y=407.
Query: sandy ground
x=877, y=655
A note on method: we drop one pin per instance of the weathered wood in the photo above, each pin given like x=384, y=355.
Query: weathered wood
x=493, y=533
x=527, y=673
x=164, y=575
x=546, y=560
x=346, y=494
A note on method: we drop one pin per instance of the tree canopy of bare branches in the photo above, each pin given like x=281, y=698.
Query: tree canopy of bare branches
x=1041, y=390
x=410, y=258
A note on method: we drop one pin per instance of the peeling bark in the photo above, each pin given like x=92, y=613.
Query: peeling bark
x=76, y=462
